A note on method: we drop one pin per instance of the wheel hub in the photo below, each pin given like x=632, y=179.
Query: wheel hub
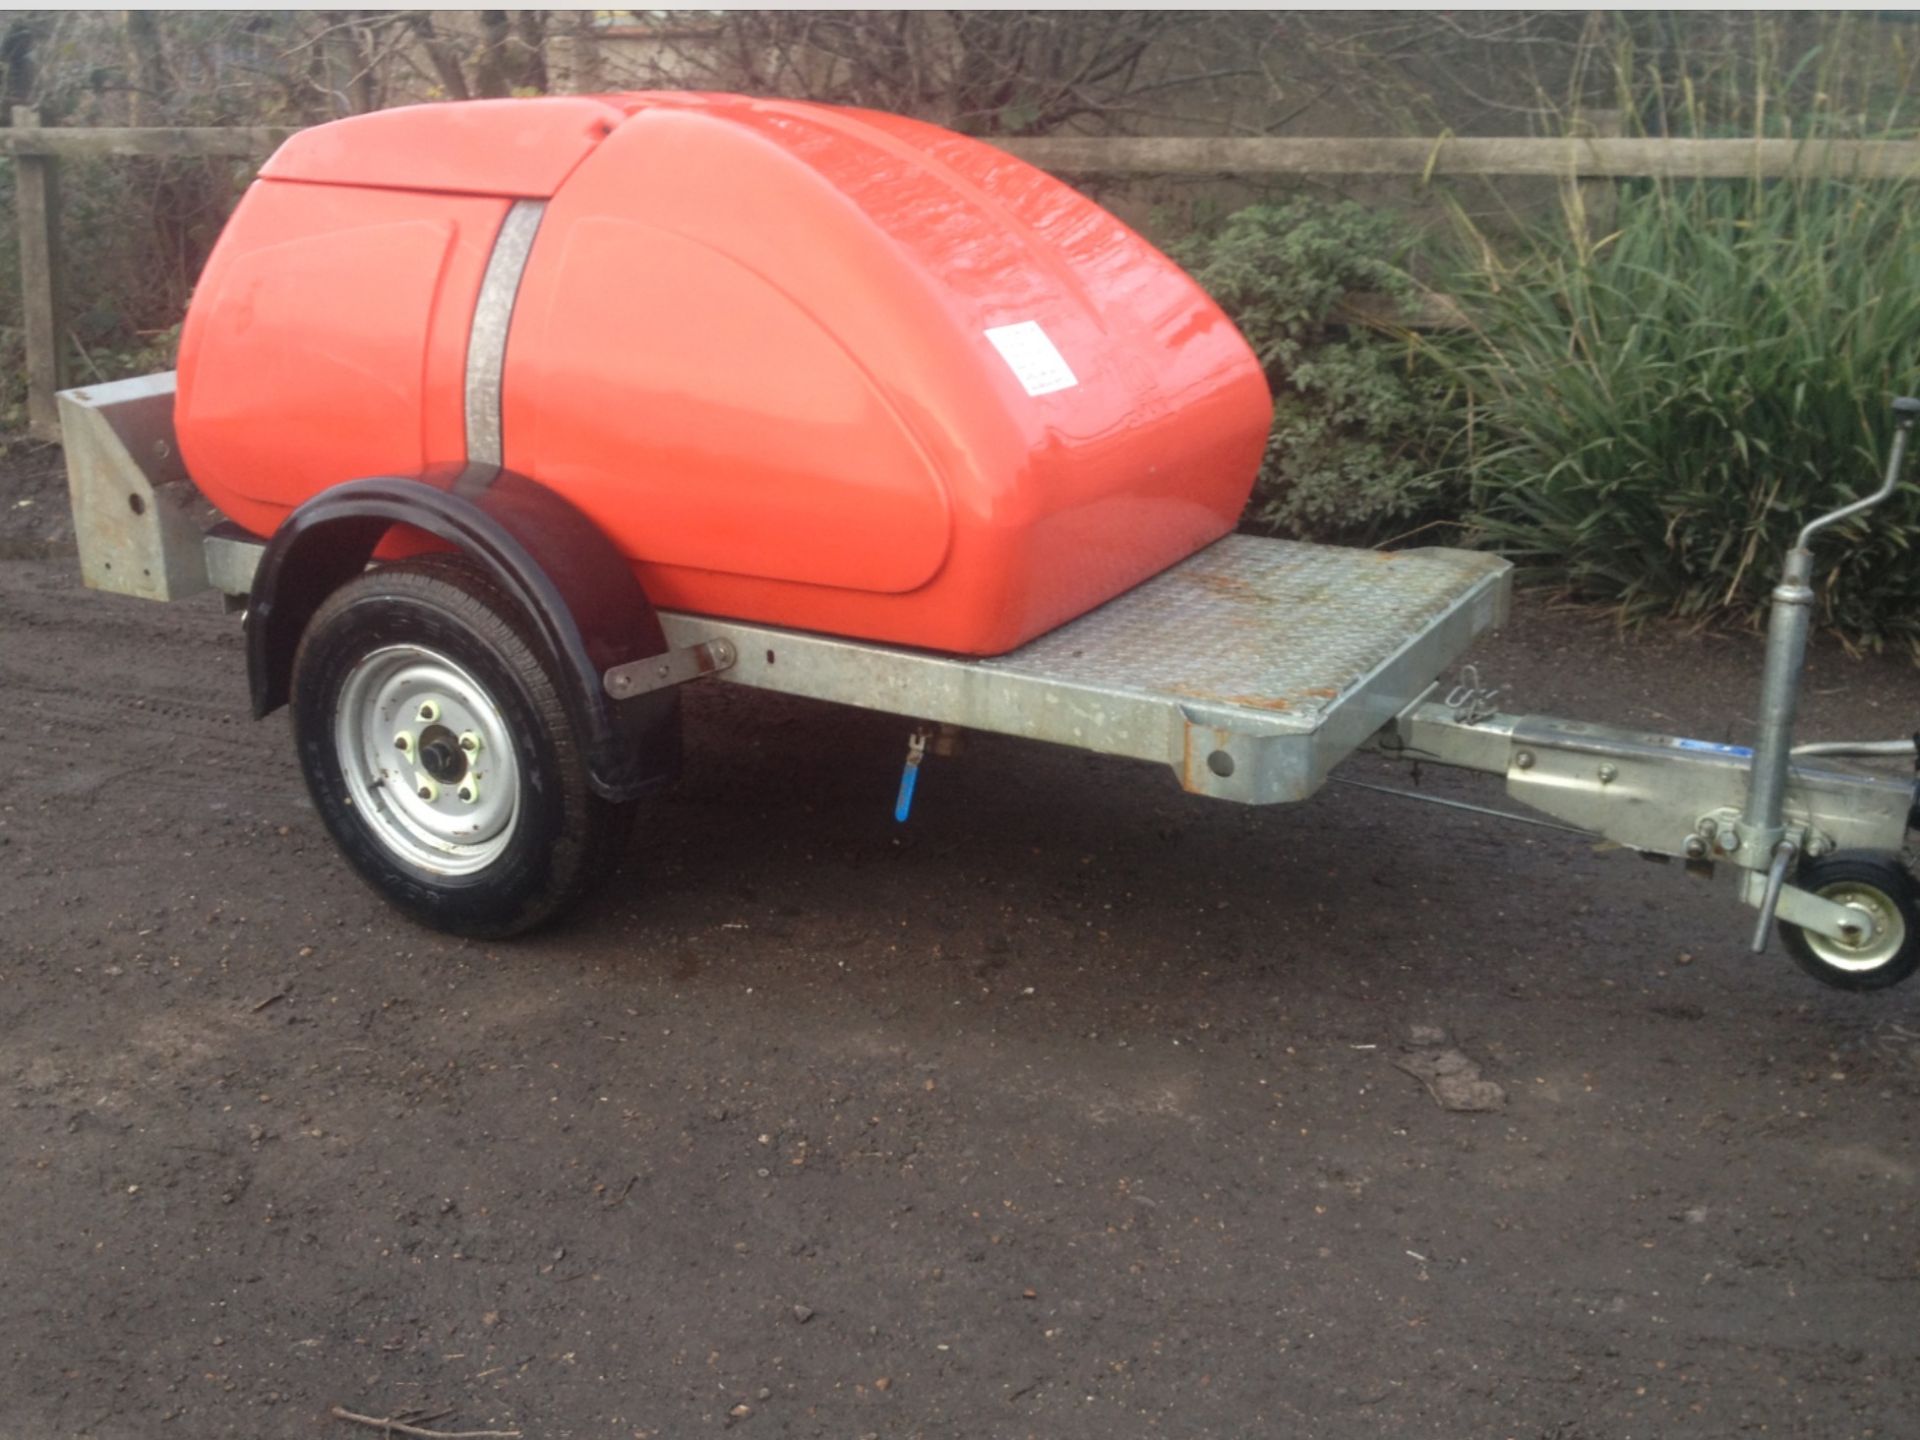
x=1878, y=938
x=444, y=798
x=440, y=755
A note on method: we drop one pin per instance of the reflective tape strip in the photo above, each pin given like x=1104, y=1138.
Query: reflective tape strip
x=492, y=319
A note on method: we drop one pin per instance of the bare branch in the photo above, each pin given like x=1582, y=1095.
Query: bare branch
x=440, y=52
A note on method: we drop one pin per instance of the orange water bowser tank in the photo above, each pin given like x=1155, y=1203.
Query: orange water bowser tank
x=817, y=367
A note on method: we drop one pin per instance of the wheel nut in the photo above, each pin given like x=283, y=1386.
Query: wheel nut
x=470, y=743
x=425, y=788
x=403, y=742
x=469, y=793
x=429, y=711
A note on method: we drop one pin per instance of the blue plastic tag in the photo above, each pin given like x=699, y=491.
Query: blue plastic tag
x=1744, y=752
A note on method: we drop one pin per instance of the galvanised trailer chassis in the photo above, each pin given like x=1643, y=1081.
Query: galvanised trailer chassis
x=1252, y=669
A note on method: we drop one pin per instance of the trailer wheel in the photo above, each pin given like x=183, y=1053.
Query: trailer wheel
x=437, y=748
x=1884, y=890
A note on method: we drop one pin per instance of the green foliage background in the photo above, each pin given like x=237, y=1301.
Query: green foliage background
x=1646, y=401
x=1359, y=413
x=1651, y=417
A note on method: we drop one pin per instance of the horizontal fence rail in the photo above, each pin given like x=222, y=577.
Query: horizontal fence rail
x=179, y=142
x=1577, y=158
x=1597, y=158
x=36, y=152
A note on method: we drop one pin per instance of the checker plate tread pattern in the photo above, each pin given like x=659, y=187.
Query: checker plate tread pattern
x=1277, y=626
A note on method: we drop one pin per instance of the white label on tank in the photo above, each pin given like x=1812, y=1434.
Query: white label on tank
x=1032, y=358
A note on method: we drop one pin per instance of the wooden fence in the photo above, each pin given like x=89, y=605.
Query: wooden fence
x=36, y=153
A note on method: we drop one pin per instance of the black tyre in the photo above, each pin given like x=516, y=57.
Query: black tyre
x=438, y=751
x=1880, y=887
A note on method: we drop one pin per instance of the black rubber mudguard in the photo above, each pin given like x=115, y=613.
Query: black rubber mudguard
x=569, y=579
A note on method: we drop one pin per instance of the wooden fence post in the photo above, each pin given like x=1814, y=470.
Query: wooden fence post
x=37, y=213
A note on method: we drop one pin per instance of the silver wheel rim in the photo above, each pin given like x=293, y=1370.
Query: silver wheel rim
x=1886, y=933
x=401, y=711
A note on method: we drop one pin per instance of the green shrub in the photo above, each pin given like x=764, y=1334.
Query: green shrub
x=1651, y=417
x=1354, y=408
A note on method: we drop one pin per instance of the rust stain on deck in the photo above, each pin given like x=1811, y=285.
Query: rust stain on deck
x=1230, y=587
x=1251, y=702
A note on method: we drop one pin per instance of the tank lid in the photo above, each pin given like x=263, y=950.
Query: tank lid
x=519, y=148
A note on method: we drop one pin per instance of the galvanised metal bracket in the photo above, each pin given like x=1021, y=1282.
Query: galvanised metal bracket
x=1666, y=795
x=675, y=667
x=1658, y=793
x=137, y=519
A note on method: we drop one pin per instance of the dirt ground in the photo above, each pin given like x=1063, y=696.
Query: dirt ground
x=1068, y=1109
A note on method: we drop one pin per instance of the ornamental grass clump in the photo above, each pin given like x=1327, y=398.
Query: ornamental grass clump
x=1653, y=413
